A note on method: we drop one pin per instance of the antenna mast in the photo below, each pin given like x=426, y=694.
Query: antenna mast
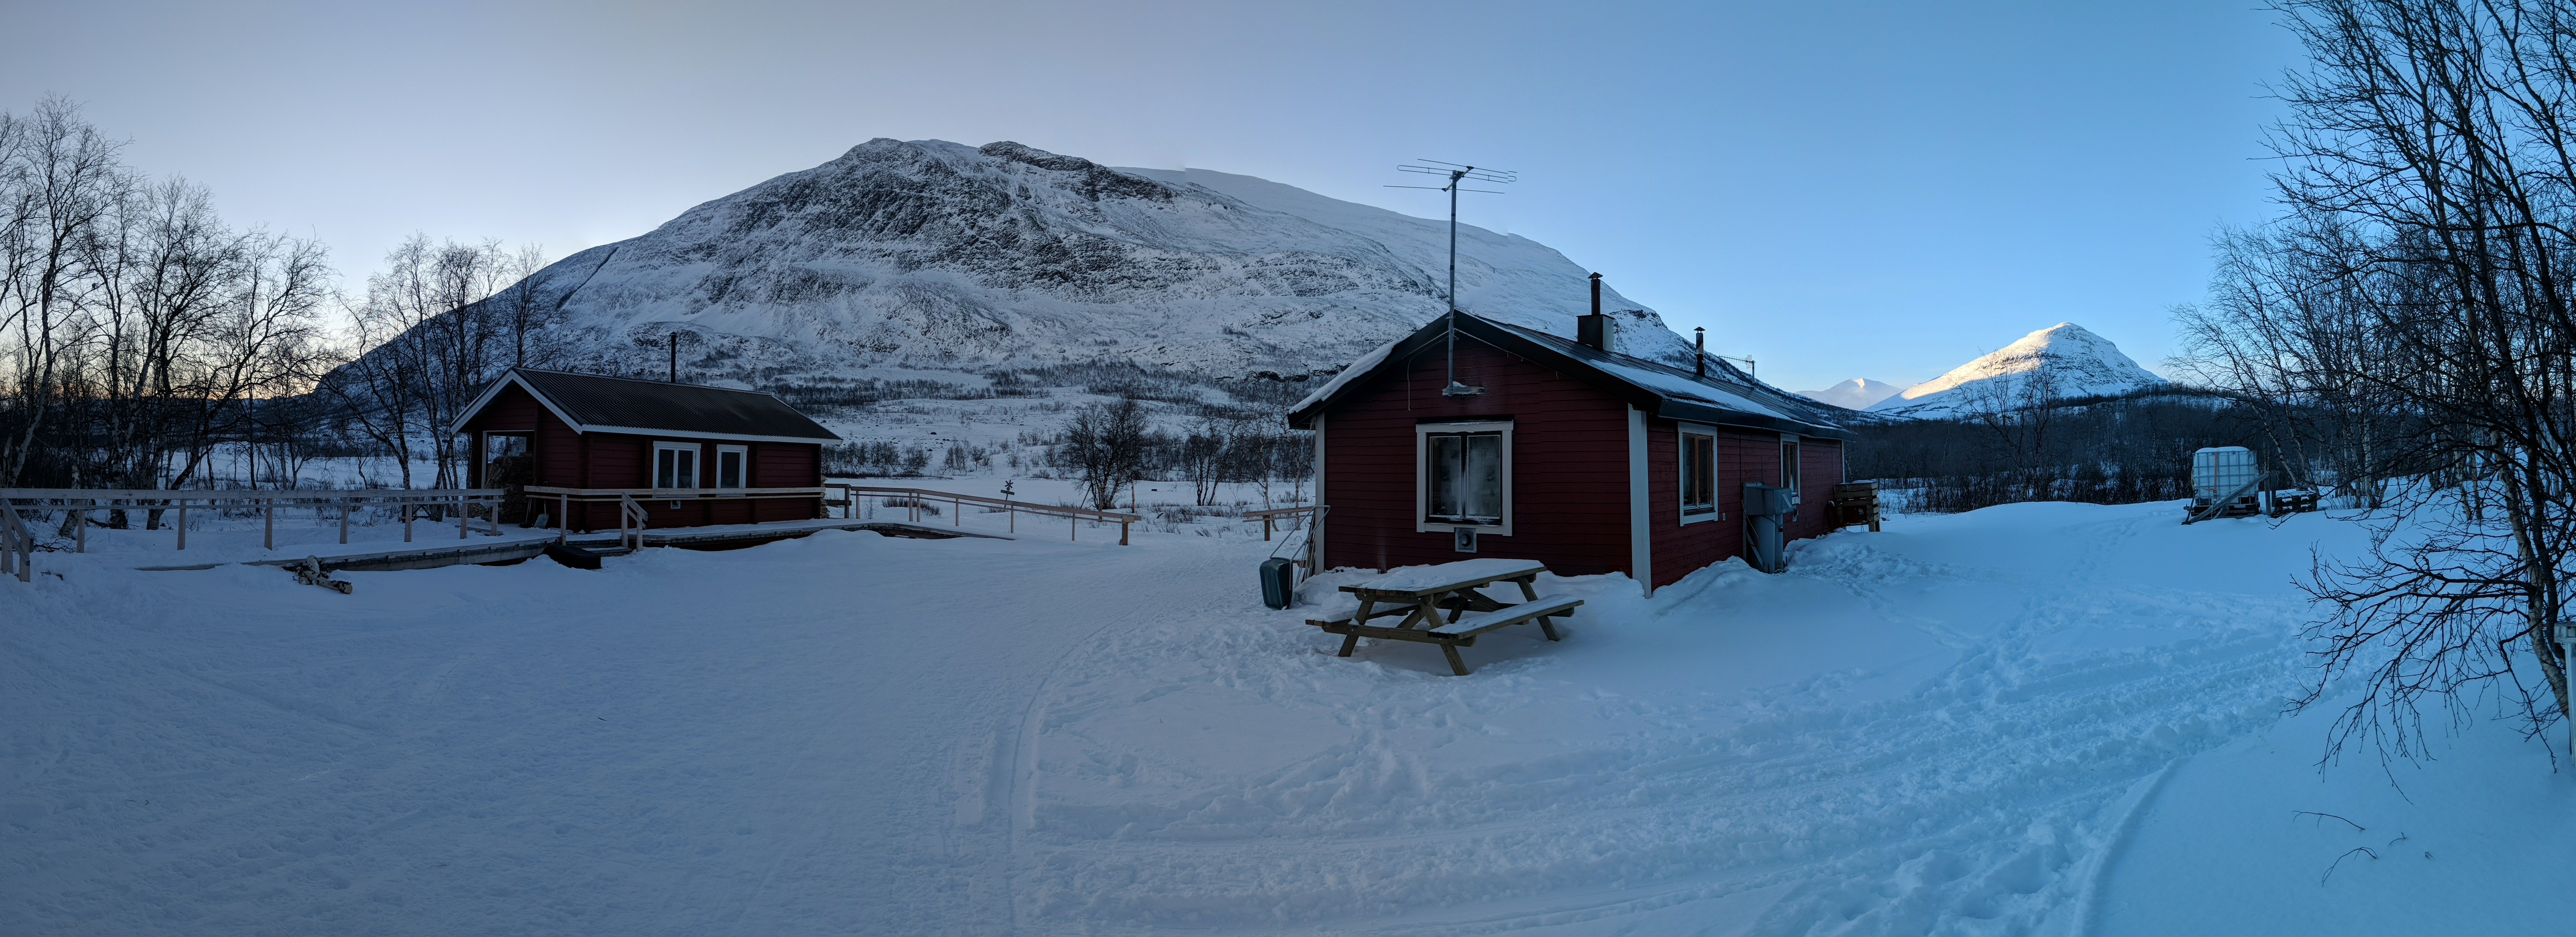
x=1457, y=173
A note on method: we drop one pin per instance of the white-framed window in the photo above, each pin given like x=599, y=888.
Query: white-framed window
x=1789, y=466
x=1463, y=477
x=1699, y=473
x=675, y=465
x=733, y=467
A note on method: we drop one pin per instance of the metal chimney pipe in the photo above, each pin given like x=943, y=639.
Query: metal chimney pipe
x=1699, y=343
x=1593, y=331
x=675, y=357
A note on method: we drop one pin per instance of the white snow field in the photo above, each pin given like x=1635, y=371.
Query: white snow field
x=2035, y=719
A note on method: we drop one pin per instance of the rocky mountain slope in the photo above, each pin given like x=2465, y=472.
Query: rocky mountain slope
x=2062, y=362
x=934, y=255
x=1855, y=394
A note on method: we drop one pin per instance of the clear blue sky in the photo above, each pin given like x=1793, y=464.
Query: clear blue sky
x=1840, y=190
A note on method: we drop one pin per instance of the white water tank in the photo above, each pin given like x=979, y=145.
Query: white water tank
x=2219, y=471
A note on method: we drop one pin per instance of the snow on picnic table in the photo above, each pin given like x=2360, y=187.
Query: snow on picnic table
x=1444, y=575
x=2030, y=719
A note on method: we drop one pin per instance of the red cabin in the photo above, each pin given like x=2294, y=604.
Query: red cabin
x=1569, y=453
x=690, y=455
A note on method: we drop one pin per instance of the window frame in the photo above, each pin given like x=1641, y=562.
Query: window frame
x=697, y=468
x=717, y=476
x=1422, y=433
x=1691, y=514
x=483, y=453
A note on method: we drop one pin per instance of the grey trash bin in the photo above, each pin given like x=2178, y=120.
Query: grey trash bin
x=1278, y=582
x=1766, y=512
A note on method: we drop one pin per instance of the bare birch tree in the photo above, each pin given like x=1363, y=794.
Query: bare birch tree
x=2419, y=288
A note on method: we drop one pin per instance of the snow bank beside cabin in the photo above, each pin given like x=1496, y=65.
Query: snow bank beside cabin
x=2030, y=719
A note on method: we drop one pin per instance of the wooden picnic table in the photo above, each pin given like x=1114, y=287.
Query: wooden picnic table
x=1422, y=593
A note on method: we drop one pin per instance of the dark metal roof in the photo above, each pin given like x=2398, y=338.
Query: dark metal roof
x=598, y=403
x=1723, y=397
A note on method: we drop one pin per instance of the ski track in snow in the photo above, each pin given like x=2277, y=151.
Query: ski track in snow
x=1944, y=729
x=1880, y=817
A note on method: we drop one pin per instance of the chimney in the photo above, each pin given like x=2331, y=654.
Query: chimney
x=1699, y=344
x=1594, y=331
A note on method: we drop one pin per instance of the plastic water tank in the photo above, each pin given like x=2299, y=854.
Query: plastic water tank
x=2220, y=470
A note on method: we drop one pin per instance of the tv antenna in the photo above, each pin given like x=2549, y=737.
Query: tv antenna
x=1458, y=174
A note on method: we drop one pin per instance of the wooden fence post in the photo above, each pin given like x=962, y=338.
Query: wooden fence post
x=183, y=525
x=268, y=525
x=460, y=517
x=344, y=523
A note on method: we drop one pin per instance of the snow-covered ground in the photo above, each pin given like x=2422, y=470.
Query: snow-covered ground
x=2041, y=718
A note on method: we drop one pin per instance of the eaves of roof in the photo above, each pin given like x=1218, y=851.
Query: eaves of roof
x=736, y=414
x=1596, y=368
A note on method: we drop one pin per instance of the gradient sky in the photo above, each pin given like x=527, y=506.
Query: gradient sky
x=1879, y=190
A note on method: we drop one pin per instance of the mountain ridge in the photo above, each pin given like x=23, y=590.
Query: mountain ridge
x=1855, y=394
x=2061, y=362
x=929, y=254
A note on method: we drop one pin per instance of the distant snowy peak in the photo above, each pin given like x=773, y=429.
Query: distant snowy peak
x=2062, y=362
x=1855, y=394
x=930, y=254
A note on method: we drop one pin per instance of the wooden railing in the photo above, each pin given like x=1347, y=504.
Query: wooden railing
x=410, y=501
x=17, y=547
x=631, y=518
x=912, y=499
x=565, y=498
x=1313, y=517
x=1270, y=518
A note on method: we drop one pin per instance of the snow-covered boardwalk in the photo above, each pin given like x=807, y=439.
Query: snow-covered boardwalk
x=2043, y=718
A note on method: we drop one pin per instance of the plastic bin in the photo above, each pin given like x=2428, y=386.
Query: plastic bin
x=1278, y=582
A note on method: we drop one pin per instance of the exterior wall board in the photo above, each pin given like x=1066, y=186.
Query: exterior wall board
x=1820, y=467
x=1569, y=465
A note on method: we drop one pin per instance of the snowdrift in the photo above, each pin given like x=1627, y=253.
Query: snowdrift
x=2041, y=718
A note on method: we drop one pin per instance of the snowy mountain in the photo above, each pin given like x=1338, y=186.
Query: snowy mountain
x=1855, y=394
x=934, y=255
x=2062, y=362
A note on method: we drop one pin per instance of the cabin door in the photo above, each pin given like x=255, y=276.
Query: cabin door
x=510, y=462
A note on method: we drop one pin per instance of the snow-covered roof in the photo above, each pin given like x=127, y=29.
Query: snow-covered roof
x=601, y=403
x=1723, y=396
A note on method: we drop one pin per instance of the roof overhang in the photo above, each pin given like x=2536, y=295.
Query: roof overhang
x=689, y=434
x=511, y=377
x=507, y=379
x=1512, y=342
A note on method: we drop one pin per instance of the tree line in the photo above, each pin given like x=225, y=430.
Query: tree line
x=2037, y=447
x=141, y=334
x=1109, y=447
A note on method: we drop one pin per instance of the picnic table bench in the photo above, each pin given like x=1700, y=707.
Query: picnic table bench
x=1422, y=593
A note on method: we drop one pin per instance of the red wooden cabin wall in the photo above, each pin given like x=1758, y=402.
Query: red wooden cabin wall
x=616, y=460
x=1569, y=465
x=1569, y=468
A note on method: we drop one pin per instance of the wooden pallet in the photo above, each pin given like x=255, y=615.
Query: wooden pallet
x=1853, y=504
